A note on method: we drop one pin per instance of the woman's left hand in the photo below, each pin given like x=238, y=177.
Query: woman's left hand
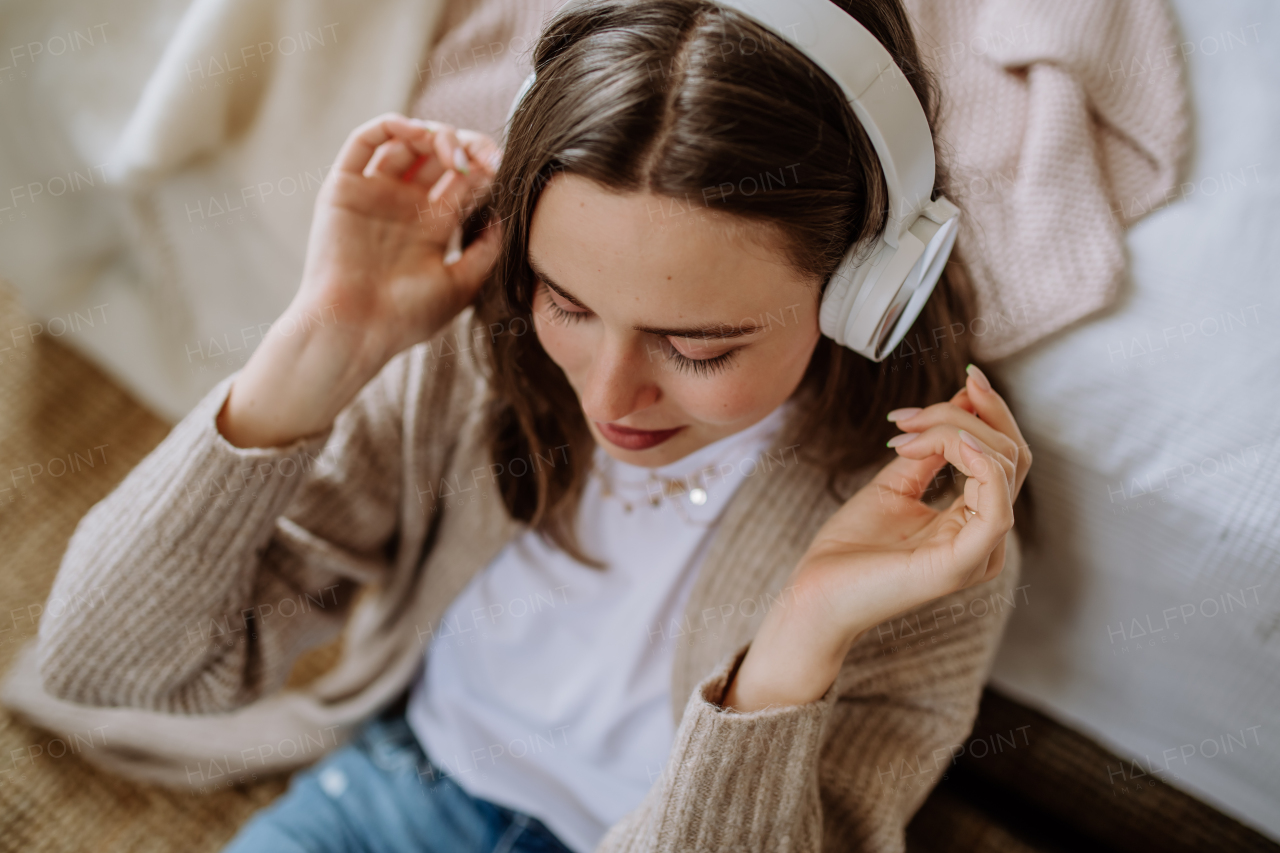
x=885, y=552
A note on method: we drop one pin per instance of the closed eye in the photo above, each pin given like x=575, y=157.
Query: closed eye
x=699, y=366
x=560, y=315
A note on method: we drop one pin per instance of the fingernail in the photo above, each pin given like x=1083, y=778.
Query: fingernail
x=899, y=440
x=970, y=440
x=460, y=161
x=903, y=414
x=453, y=248
x=979, y=378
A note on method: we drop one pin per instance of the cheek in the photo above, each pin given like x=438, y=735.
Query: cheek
x=762, y=380
x=722, y=400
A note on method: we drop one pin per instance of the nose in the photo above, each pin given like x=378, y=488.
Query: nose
x=619, y=381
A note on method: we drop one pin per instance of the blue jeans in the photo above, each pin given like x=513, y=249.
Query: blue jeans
x=381, y=794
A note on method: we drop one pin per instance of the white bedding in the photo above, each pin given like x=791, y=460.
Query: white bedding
x=1152, y=619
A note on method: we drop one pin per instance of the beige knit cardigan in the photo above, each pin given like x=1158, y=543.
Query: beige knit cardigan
x=377, y=525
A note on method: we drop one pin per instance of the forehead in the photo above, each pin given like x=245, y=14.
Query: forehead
x=601, y=244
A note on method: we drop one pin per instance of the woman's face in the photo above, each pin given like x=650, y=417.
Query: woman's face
x=675, y=325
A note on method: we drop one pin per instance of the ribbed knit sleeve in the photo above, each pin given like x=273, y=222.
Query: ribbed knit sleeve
x=733, y=781
x=211, y=568
x=845, y=772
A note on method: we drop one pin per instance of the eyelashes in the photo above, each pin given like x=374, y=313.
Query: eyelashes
x=697, y=366
x=562, y=316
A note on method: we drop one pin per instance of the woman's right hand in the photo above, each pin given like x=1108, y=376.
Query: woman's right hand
x=378, y=277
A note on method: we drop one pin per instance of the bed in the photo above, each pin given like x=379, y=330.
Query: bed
x=1152, y=616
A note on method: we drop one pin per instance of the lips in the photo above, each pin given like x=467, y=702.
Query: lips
x=635, y=439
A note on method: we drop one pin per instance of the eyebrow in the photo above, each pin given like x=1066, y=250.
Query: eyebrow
x=702, y=330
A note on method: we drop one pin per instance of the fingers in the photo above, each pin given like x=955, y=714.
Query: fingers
x=946, y=439
x=481, y=150
x=992, y=502
x=995, y=563
x=950, y=414
x=444, y=171
x=424, y=152
x=360, y=146
x=908, y=477
x=961, y=400
x=474, y=263
x=392, y=159
x=978, y=410
x=468, y=152
x=461, y=187
x=993, y=409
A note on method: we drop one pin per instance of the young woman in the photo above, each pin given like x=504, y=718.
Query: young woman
x=630, y=565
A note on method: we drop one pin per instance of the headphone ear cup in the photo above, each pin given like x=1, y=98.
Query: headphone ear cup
x=843, y=290
x=869, y=309
x=920, y=281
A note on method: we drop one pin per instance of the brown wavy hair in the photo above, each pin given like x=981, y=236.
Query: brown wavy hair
x=675, y=97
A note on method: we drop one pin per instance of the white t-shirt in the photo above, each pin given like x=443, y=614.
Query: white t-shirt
x=547, y=684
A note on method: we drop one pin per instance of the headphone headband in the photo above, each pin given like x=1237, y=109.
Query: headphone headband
x=870, y=303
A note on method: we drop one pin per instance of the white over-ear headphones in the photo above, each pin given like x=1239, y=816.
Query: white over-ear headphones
x=871, y=301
